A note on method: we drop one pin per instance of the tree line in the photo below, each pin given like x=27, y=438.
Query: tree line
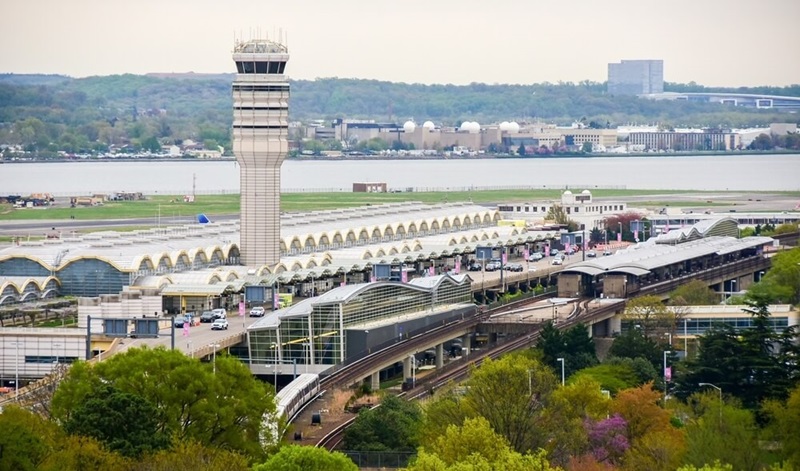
x=47, y=114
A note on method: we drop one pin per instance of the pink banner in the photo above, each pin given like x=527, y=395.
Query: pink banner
x=457, y=269
x=275, y=301
x=404, y=276
x=668, y=373
x=241, y=308
x=431, y=270
x=373, y=279
x=526, y=254
x=636, y=236
x=185, y=329
x=505, y=258
x=546, y=250
x=566, y=247
x=619, y=236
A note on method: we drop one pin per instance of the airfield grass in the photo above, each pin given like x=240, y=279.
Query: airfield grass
x=173, y=206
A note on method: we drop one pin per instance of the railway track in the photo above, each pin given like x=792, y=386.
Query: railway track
x=457, y=371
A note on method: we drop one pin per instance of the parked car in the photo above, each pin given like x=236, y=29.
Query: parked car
x=220, y=324
x=220, y=313
x=474, y=267
x=553, y=252
x=557, y=261
x=207, y=316
x=535, y=257
x=257, y=311
x=606, y=252
x=591, y=254
x=514, y=267
x=492, y=266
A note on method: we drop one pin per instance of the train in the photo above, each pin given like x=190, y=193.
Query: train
x=291, y=399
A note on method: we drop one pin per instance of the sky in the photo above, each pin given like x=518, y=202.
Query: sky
x=711, y=42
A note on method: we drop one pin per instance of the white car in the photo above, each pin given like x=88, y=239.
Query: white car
x=535, y=257
x=557, y=261
x=219, y=313
x=220, y=324
x=257, y=311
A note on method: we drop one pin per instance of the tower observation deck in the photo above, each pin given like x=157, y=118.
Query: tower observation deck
x=260, y=143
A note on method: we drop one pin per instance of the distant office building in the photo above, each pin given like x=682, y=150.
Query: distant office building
x=684, y=141
x=636, y=77
x=260, y=143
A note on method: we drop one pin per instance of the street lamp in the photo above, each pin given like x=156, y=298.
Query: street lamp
x=666, y=352
x=214, y=346
x=719, y=389
x=562, y=370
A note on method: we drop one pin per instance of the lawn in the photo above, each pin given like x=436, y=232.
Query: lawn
x=173, y=206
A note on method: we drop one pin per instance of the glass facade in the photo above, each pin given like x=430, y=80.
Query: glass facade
x=320, y=333
x=699, y=325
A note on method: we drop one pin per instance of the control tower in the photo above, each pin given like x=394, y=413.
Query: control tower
x=260, y=143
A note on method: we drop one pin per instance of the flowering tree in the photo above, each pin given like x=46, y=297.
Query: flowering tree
x=607, y=438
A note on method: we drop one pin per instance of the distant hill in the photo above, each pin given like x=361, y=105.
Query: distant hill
x=56, y=112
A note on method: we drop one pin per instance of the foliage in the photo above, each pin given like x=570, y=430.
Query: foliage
x=124, y=422
x=225, y=409
x=639, y=407
x=650, y=315
x=26, y=439
x=394, y=426
x=612, y=223
x=512, y=394
x=784, y=426
x=306, y=458
x=574, y=345
x=607, y=438
x=781, y=284
x=633, y=344
x=722, y=432
x=693, y=293
x=616, y=374
x=475, y=446
x=717, y=466
x=80, y=453
x=189, y=455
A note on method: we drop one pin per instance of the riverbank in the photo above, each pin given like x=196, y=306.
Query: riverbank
x=368, y=158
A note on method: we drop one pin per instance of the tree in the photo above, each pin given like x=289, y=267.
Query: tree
x=587, y=148
x=81, y=453
x=511, y=394
x=722, y=432
x=26, y=439
x=633, y=344
x=781, y=284
x=124, y=422
x=306, y=458
x=223, y=409
x=784, y=426
x=761, y=142
x=693, y=293
x=650, y=315
x=717, y=466
x=607, y=438
x=617, y=374
x=574, y=345
x=475, y=446
x=394, y=426
x=189, y=455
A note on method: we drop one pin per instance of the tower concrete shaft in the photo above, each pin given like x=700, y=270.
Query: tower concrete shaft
x=260, y=143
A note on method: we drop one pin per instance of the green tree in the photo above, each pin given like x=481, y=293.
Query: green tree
x=722, y=432
x=586, y=148
x=189, y=455
x=512, y=393
x=82, y=453
x=784, y=426
x=26, y=439
x=394, y=426
x=651, y=316
x=475, y=446
x=693, y=293
x=223, y=409
x=717, y=466
x=633, y=344
x=781, y=284
x=306, y=458
x=617, y=374
x=124, y=422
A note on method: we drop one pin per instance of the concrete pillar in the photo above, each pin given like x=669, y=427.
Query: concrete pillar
x=439, y=355
x=466, y=345
x=407, y=368
x=376, y=381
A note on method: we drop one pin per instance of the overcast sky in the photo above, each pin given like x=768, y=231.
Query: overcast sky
x=712, y=42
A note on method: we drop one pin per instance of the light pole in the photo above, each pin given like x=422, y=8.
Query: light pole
x=666, y=352
x=562, y=370
x=719, y=389
x=214, y=346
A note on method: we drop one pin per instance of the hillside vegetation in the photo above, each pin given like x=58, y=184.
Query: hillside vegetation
x=48, y=113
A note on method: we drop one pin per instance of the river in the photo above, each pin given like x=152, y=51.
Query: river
x=690, y=172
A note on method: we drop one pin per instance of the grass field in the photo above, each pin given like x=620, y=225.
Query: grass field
x=173, y=206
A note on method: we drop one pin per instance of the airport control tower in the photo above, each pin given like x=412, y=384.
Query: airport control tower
x=260, y=143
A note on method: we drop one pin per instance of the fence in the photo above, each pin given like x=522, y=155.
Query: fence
x=381, y=459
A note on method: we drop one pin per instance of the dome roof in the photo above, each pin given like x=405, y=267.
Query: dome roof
x=409, y=126
x=504, y=126
x=567, y=192
x=470, y=126
x=428, y=125
x=586, y=192
x=513, y=127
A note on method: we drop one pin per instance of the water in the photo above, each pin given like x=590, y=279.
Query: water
x=726, y=172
